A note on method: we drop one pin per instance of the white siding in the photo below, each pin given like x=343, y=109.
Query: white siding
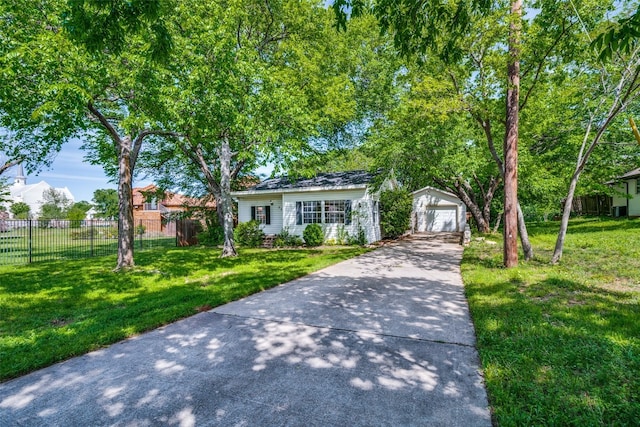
x=275, y=201
x=361, y=207
x=633, y=203
x=435, y=210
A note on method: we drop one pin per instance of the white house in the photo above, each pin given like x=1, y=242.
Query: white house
x=337, y=201
x=627, y=201
x=31, y=194
x=437, y=211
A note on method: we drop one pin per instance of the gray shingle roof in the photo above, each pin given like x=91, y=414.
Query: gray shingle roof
x=631, y=174
x=335, y=179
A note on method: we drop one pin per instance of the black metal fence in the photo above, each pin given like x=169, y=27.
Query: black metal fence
x=27, y=241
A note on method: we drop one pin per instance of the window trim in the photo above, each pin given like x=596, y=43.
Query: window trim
x=267, y=214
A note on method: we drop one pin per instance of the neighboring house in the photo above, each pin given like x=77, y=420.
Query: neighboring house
x=627, y=201
x=153, y=208
x=32, y=194
x=341, y=201
x=437, y=211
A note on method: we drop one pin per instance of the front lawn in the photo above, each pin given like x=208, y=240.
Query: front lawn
x=560, y=345
x=55, y=310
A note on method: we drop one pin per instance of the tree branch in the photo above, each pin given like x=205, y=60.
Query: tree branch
x=105, y=122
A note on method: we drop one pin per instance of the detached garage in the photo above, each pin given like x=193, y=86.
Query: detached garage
x=437, y=211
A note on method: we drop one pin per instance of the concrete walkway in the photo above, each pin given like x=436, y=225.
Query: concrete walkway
x=384, y=339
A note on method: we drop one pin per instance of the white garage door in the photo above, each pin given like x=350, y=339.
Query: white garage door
x=436, y=219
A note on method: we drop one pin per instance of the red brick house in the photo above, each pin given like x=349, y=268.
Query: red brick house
x=153, y=208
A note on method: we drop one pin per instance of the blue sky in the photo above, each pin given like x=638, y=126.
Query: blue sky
x=70, y=170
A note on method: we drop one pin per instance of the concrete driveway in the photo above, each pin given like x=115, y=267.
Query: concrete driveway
x=384, y=339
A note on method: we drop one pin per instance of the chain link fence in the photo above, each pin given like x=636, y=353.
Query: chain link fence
x=28, y=241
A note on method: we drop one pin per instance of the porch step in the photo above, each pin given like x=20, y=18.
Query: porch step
x=268, y=241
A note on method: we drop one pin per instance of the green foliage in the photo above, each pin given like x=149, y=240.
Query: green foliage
x=621, y=37
x=85, y=233
x=77, y=213
x=106, y=203
x=109, y=24
x=285, y=239
x=20, y=210
x=56, y=205
x=140, y=229
x=360, y=238
x=249, y=234
x=313, y=235
x=48, y=320
x=558, y=344
x=418, y=26
x=395, y=212
x=213, y=235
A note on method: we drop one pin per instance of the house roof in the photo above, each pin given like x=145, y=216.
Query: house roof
x=631, y=174
x=430, y=190
x=323, y=181
x=170, y=199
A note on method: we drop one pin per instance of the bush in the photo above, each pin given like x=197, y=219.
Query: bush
x=285, y=239
x=212, y=236
x=360, y=239
x=395, y=212
x=249, y=234
x=313, y=235
x=85, y=233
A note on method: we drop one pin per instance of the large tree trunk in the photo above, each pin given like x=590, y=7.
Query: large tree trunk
x=511, y=140
x=228, y=249
x=125, y=206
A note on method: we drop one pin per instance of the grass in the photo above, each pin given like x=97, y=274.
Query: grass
x=55, y=310
x=21, y=245
x=560, y=345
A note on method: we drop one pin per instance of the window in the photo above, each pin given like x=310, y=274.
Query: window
x=334, y=211
x=638, y=186
x=151, y=205
x=311, y=212
x=262, y=214
x=328, y=212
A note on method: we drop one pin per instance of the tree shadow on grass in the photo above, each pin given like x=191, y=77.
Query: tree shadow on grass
x=385, y=344
x=558, y=352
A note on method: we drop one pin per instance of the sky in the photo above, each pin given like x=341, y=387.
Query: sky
x=69, y=169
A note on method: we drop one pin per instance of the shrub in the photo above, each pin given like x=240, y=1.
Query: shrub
x=395, y=212
x=212, y=236
x=359, y=239
x=249, y=234
x=313, y=235
x=85, y=233
x=285, y=239
x=342, y=236
x=140, y=229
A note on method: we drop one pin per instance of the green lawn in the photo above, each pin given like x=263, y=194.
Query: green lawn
x=560, y=345
x=52, y=311
x=24, y=245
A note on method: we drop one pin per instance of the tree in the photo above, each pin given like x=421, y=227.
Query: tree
x=77, y=212
x=57, y=85
x=620, y=86
x=429, y=139
x=258, y=87
x=106, y=203
x=395, y=212
x=55, y=204
x=20, y=210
